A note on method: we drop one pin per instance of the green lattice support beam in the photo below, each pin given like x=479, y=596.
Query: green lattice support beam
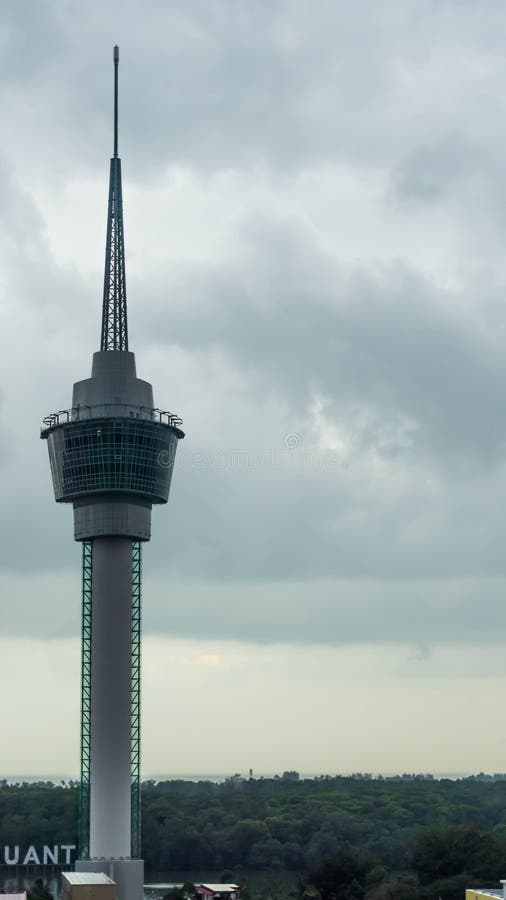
x=84, y=792
x=136, y=698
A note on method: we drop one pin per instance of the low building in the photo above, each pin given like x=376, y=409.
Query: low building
x=487, y=893
x=87, y=886
x=218, y=891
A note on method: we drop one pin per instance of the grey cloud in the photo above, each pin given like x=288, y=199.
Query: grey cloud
x=218, y=89
x=421, y=653
x=379, y=359
x=431, y=171
x=426, y=612
x=29, y=40
x=419, y=613
x=412, y=375
x=375, y=336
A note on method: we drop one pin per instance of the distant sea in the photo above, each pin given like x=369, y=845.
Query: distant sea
x=192, y=776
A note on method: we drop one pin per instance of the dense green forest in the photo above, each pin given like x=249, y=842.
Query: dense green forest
x=341, y=837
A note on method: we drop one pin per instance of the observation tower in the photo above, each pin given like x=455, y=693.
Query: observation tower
x=112, y=455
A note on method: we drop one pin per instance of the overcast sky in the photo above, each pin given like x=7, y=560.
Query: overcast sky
x=315, y=220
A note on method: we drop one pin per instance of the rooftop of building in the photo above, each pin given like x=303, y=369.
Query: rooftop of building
x=219, y=888
x=87, y=878
x=478, y=893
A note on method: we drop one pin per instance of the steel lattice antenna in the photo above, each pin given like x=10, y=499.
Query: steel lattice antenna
x=114, y=309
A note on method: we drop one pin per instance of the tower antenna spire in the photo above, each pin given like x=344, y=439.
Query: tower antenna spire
x=115, y=56
x=114, y=335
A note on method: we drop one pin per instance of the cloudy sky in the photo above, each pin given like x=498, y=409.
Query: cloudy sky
x=315, y=203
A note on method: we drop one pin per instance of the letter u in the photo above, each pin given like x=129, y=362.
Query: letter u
x=14, y=861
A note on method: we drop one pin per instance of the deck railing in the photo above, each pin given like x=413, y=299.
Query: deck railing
x=80, y=413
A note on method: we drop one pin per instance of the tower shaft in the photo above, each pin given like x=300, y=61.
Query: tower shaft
x=111, y=698
x=110, y=710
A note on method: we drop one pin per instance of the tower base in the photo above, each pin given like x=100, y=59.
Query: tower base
x=128, y=874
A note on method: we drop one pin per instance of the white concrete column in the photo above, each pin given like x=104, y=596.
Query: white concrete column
x=111, y=661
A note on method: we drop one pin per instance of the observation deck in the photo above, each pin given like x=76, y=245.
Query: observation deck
x=112, y=453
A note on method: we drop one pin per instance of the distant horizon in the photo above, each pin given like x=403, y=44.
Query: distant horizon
x=221, y=776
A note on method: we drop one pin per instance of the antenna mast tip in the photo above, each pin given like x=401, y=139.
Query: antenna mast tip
x=115, y=53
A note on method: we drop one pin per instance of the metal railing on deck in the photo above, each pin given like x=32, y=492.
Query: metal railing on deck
x=79, y=413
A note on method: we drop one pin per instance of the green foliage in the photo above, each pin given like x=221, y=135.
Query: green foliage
x=356, y=838
x=343, y=875
x=400, y=888
x=38, y=812
x=438, y=854
x=39, y=891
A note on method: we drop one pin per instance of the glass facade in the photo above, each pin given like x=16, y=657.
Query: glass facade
x=132, y=456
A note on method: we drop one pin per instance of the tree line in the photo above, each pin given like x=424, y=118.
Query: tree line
x=356, y=838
